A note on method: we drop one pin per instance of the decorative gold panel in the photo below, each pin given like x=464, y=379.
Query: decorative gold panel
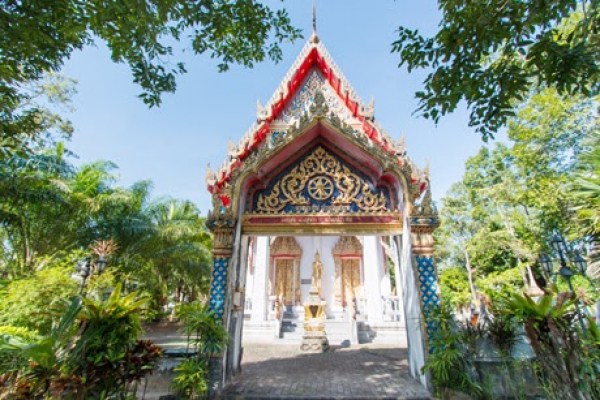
x=285, y=245
x=321, y=183
x=347, y=245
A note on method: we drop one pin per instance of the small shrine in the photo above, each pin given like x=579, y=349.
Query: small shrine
x=322, y=225
x=315, y=337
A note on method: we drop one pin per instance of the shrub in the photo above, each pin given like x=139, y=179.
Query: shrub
x=30, y=302
x=91, y=353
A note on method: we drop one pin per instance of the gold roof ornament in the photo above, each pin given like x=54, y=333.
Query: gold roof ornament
x=346, y=246
x=285, y=245
x=210, y=178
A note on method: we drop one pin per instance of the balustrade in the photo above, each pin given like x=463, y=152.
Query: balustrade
x=391, y=308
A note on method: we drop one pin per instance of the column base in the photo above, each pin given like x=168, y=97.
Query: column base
x=314, y=342
x=215, y=377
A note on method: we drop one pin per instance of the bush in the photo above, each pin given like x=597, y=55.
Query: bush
x=32, y=302
x=91, y=353
x=208, y=338
x=191, y=378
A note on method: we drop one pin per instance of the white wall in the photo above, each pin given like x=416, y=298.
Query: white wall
x=324, y=245
x=375, y=279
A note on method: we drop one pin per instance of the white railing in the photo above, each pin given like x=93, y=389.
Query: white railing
x=247, y=308
x=391, y=308
x=361, y=307
x=272, y=308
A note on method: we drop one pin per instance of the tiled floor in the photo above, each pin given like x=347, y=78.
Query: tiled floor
x=272, y=371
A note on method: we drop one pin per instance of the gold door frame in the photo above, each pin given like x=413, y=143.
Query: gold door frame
x=285, y=248
x=347, y=248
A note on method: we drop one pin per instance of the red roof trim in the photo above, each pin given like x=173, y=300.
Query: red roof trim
x=314, y=58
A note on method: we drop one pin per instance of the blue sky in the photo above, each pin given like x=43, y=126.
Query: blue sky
x=172, y=145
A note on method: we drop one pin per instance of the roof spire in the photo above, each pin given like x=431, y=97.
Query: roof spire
x=314, y=38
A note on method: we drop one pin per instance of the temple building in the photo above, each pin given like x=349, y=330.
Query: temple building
x=318, y=201
x=359, y=288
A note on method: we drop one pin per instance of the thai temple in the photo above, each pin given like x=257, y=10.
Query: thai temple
x=318, y=207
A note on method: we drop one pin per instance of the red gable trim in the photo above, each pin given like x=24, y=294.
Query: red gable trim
x=314, y=58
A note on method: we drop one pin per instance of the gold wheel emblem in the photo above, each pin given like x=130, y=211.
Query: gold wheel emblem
x=320, y=188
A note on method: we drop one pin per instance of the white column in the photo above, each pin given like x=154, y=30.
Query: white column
x=399, y=281
x=259, y=295
x=250, y=271
x=412, y=307
x=372, y=261
x=386, y=284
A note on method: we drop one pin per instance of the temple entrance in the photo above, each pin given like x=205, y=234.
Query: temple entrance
x=358, y=286
x=286, y=281
x=351, y=283
x=319, y=209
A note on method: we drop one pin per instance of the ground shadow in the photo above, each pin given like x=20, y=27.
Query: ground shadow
x=271, y=371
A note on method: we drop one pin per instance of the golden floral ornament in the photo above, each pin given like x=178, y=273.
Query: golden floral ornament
x=321, y=182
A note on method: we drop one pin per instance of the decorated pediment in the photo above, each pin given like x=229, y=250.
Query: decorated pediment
x=320, y=183
x=299, y=105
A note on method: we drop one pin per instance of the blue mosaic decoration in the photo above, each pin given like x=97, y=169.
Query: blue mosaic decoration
x=218, y=286
x=277, y=136
x=319, y=182
x=430, y=299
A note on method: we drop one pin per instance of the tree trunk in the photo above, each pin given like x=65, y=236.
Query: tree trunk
x=470, y=274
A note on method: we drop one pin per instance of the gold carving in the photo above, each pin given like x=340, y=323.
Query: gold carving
x=286, y=253
x=319, y=174
x=347, y=245
x=320, y=188
x=286, y=245
x=317, y=275
x=347, y=254
x=284, y=281
x=350, y=281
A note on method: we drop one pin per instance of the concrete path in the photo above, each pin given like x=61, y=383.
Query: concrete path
x=281, y=371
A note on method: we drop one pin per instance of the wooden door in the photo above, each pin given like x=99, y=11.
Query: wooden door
x=351, y=285
x=284, y=280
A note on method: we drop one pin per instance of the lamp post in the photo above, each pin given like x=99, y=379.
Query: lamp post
x=85, y=268
x=560, y=248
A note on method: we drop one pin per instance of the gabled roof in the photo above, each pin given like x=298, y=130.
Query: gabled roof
x=313, y=57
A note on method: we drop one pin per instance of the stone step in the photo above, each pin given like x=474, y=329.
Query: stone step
x=264, y=331
x=340, y=333
x=382, y=333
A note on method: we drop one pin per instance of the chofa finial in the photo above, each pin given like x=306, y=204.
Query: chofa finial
x=314, y=38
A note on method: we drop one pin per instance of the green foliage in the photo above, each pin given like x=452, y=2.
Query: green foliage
x=50, y=206
x=585, y=187
x=93, y=352
x=32, y=302
x=29, y=119
x=455, y=286
x=513, y=197
x=191, y=378
x=208, y=338
x=582, y=286
x=139, y=34
x=448, y=362
x=567, y=356
x=199, y=323
x=496, y=285
x=493, y=54
x=9, y=335
x=111, y=324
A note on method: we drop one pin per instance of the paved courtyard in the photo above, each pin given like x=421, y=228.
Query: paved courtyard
x=281, y=371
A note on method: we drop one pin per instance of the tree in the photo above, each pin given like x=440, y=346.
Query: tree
x=513, y=198
x=585, y=188
x=492, y=54
x=36, y=37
